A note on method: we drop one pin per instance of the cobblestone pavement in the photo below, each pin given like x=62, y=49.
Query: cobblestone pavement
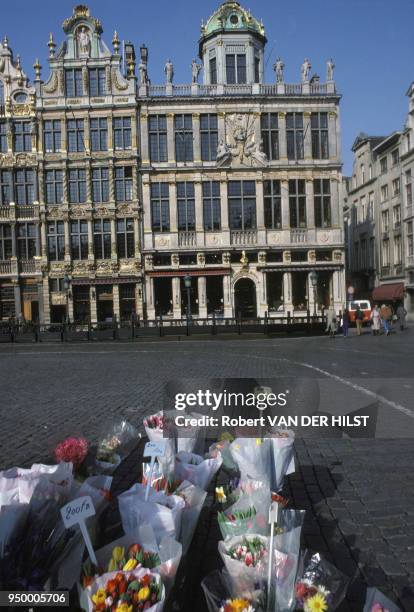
x=358, y=493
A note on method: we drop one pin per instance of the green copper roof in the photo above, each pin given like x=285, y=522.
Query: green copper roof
x=231, y=17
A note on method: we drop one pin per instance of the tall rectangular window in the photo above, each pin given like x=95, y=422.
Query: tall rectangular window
x=77, y=185
x=183, y=131
x=185, y=206
x=100, y=185
x=383, y=165
x=22, y=136
x=257, y=69
x=122, y=133
x=99, y=134
x=56, y=240
x=6, y=242
x=5, y=187
x=297, y=203
x=26, y=240
x=73, y=82
x=54, y=186
x=97, y=82
x=294, y=135
x=125, y=238
x=320, y=141
x=52, y=136
x=75, y=136
x=123, y=184
x=409, y=187
x=211, y=206
x=3, y=137
x=102, y=238
x=157, y=133
x=410, y=238
x=213, y=71
x=209, y=137
x=242, y=205
x=160, y=207
x=272, y=204
x=24, y=182
x=270, y=134
x=322, y=202
x=79, y=239
x=236, y=68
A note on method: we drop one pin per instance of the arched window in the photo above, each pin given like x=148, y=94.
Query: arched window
x=20, y=98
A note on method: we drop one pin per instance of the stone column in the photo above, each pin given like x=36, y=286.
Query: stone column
x=337, y=293
x=149, y=293
x=170, y=138
x=176, y=294
x=67, y=240
x=224, y=211
x=116, y=303
x=202, y=297
x=137, y=238
x=227, y=296
x=88, y=175
x=307, y=135
x=282, y=136
x=284, y=190
x=221, y=124
x=261, y=294
x=70, y=308
x=63, y=138
x=196, y=138
x=46, y=301
x=134, y=133
x=114, y=254
x=91, y=254
x=312, y=294
x=146, y=204
x=310, y=208
x=332, y=136
x=144, y=138
x=86, y=134
x=139, y=302
x=260, y=204
x=287, y=292
x=111, y=183
x=110, y=133
x=43, y=239
x=92, y=297
x=173, y=207
x=335, y=186
x=17, y=297
x=198, y=192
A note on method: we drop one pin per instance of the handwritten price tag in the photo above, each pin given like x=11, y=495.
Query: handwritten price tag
x=76, y=512
x=155, y=449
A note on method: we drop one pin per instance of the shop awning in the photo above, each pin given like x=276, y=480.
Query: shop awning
x=388, y=293
x=211, y=272
x=288, y=268
x=106, y=281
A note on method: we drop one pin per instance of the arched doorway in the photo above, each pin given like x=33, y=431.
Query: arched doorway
x=245, y=298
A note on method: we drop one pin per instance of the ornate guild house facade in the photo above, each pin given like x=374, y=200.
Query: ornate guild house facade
x=120, y=197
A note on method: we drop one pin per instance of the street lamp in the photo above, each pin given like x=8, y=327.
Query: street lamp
x=314, y=281
x=66, y=286
x=187, y=285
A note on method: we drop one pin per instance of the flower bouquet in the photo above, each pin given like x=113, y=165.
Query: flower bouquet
x=239, y=522
x=72, y=450
x=246, y=561
x=194, y=498
x=222, y=449
x=134, y=591
x=252, y=456
x=157, y=427
x=220, y=598
x=322, y=587
x=113, y=445
x=377, y=602
x=163, y=512
x=195, y=469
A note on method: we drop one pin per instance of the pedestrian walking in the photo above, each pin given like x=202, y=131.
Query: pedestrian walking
x=331, y=322
x=386, y=316
x=401, y=314
x=345, y=322
x=376, y=320
x=359, y=317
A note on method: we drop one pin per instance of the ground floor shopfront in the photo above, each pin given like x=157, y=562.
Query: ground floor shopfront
x=253, y=291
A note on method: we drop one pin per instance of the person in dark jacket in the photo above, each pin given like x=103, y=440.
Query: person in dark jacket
x=359, y=317
x=345, y=322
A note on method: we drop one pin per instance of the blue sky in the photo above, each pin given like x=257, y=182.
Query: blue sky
x=371, y=42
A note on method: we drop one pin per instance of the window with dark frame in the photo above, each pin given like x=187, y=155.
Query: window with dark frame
x=294, y=135
x=79, y=239
x=56, y=240
x=183, y=132
x=102, y=238
x=5, y=187
x=123, y=184
x=73, y=82
x=22, y=136
x=257, y=69
x=6, y=242
x=297, y=203
x=122, y=133
x=100, y=185
x=3, y=137
x=270, y=135
x=213, y=70
x=52, y=136
x=320, y=139
x=99, y=134
x=211, y=206
x=185, y=206
x=160, y=207
x=208, y=137
x=242, y=205
x=322, y=202
x=26, y=240
x=272, y=204
x=236, y=68
x=54, y=186
x=77, y=185
x=125, y=238
x=24, y=184
x=97, y=82
x=75, y=136
x=157, y=134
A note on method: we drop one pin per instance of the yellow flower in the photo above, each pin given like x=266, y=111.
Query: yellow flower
x=220, y=494
x=99, y=597
x=226, y=436
x=316, y=603
x=112, y=566
x=258, y=441
x=130, y=565
x=118, y=553
x=239, y=605
x=124, y=607
x=144, y=594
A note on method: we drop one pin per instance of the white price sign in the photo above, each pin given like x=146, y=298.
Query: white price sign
x=76, y=512
x=155, y=449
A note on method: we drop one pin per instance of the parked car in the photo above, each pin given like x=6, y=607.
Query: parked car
x=364, y=305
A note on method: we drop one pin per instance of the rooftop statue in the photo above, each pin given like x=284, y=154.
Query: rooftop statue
x=195, y=71
x=330, y=66
x=169, y=71
x=305, y=70
x=279, y=67
x=84, y=42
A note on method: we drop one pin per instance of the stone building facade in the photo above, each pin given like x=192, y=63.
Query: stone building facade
x=379, y=215
x=241, y=182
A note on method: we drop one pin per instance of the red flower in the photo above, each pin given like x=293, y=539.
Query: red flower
x=72, y=450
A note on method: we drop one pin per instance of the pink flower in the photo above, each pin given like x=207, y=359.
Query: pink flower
x=260, y=520
x=248, y=559
x=378, y=608
x=72, y=450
